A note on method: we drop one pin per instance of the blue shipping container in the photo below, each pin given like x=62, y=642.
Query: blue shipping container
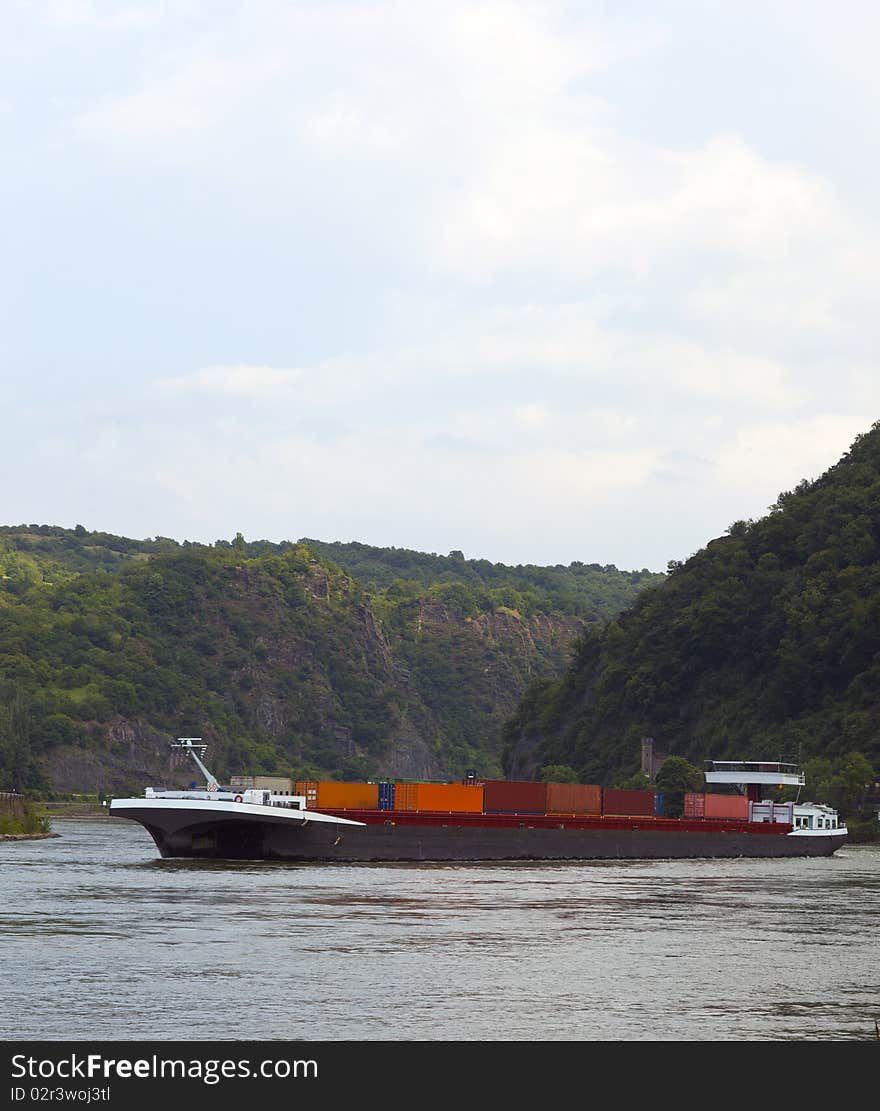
x=386, y=796
x=658, y=805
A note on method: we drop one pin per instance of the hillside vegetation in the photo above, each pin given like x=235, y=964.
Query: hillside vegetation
x=375, y=661
x=18, y=818
x=764, y=644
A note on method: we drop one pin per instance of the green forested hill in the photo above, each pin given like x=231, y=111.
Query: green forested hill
x=589, y=591
x=764, y=644
x=280, y=658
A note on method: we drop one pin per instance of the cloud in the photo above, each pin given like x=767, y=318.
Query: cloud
x=419, y=282
x=572, y=347
x=108, y=14
x=242, y=381
x=466, y=140
x=185, y=106
x=774, y=456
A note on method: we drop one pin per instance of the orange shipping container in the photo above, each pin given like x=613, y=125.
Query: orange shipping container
x=405, y=796
x=574, y=798
x=348, y=796
x=727, y=806
x=447, y=797
x=309, y=788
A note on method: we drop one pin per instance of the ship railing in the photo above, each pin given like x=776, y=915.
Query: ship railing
x=752, y=766
x=159, y=793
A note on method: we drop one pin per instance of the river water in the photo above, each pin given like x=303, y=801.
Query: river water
x=99, y=939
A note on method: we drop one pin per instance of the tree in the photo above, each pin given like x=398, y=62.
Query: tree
x=558, y=773
x=853, y=776
x=818, y=773
x=637, y=782
x=675, y=778
x=841, y=783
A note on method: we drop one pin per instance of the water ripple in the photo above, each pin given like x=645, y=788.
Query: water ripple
x=136, y=947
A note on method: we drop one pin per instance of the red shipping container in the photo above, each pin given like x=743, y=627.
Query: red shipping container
x=628, y=803
x=695, y=806
x=515, y=796
x=727, y=806
x=574, y=798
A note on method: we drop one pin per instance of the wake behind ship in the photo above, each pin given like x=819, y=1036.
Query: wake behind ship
x=407, y=822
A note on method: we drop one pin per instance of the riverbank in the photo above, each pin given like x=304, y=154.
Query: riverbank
x=19, y=821
x=864, y=832
x=71, y=808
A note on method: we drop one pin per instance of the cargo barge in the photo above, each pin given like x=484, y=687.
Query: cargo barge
x=258, y=824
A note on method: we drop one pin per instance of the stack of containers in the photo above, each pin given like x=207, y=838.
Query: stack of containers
x=445, y=797
x=574, y=798
x=627, y=803
x=512, y=796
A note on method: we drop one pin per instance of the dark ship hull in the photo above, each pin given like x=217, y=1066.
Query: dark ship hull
x=402, y=836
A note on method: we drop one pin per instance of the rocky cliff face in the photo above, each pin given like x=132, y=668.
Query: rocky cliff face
x=124, y=756
x=284, y=663
x=445, y=683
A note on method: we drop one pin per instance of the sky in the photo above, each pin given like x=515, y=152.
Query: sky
x=540, y=282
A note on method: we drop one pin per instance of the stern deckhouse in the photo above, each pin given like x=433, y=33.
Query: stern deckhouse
x=755, y=777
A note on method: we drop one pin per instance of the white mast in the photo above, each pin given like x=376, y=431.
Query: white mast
x=194, y=746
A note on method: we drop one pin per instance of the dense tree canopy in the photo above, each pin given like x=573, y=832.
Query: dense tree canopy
x=284, y=659
x=675, y=779
x=765, y=644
